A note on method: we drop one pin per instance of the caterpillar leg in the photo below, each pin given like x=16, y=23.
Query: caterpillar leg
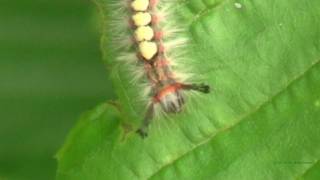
x=143, y=130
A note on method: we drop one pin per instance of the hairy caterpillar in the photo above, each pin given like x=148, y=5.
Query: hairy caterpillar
x=146, y=42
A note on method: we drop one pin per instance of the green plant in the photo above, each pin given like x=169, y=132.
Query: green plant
x=262, y=121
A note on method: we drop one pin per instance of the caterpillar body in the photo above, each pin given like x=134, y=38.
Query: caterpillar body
x=142, y=37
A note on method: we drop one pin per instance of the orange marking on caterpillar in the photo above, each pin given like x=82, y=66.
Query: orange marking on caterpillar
x=158, y=35
x=167, y=90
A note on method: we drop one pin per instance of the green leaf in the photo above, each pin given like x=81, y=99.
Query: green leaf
x=261, y=122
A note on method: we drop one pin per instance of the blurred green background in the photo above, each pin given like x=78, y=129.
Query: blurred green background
x=50, y=72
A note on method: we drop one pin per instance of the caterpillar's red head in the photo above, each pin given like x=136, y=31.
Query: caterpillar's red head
x=170, y=98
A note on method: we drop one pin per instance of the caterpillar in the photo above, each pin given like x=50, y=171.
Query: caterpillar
x=146, y=41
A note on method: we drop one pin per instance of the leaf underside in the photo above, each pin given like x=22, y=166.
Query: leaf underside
x=261, y=122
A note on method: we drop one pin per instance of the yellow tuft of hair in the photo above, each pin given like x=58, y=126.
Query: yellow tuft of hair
x=140, y=5
x=148, y=49
x=144, y=33
x=141, y=18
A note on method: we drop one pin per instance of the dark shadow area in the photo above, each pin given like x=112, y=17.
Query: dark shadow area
x=50, y=72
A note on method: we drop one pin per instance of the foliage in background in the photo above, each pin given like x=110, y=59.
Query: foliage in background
x=50, y=72
x=262, y=122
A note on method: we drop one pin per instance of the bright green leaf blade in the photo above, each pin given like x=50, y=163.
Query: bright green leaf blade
x=262, y=121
